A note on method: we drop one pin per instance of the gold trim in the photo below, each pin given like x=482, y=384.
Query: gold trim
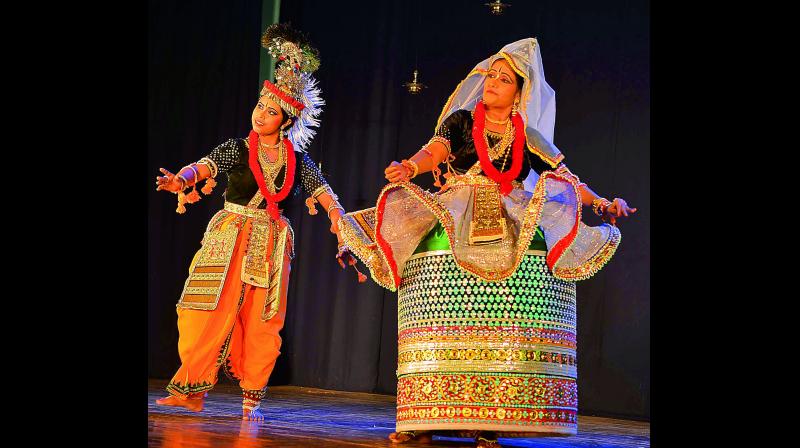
x=272, y=300
x=594, y=264
x=470, y=424
x=246, y=211
x=467, y=342
x=416, y=323
x=488, y=366
x=325, y=188
x=364, y=248
x=439, y=139
x=255, y=266
x=286, y=106
x=432, y=253
x=212, y=166
x=212, y=264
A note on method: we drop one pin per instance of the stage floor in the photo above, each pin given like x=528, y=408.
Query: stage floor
x=305, y=417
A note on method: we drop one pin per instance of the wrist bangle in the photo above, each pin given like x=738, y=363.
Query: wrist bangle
x=600, y=205
x=334, y=206
x=412, y=166
x=196, y=178
x=184, y=182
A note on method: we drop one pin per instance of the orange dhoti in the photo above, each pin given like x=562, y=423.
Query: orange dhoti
x=234, y=334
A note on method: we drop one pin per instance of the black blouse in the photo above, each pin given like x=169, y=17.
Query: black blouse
x=232, y=157
x=457, y=129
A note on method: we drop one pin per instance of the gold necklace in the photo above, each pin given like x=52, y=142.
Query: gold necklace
x=496, y=122
x=264, y=145
x=508, y=137
x=272, y=169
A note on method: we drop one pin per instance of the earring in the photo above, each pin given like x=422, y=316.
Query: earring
x=514, y=108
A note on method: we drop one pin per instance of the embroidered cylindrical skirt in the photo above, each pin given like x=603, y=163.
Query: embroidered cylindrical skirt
x=475, y=355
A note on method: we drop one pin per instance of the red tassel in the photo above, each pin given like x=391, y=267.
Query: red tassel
x=209, y=186
x=193, y=196
x=361, y=277
x=181, y=200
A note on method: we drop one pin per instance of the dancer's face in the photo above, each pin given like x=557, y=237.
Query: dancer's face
x=267, y=116
x=500, y=89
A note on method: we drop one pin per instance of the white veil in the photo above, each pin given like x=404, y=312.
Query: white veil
x=537, y=104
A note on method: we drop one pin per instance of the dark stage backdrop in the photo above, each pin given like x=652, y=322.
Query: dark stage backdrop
x=342, y=335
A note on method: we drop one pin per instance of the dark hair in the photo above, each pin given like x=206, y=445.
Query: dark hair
x=286, y=116
x=520, y=80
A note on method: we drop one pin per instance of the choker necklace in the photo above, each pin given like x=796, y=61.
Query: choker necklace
x=264, y=145
x=496, y=122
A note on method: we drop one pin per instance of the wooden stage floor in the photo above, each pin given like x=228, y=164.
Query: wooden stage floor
x=305, y=417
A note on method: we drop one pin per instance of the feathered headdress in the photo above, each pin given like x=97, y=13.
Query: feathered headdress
x=295, y=90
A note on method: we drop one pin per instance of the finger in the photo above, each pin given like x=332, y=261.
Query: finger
x=618, y=208
x=166, y=172
x=341, y=263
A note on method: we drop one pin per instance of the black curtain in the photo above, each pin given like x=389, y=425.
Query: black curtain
x=202, y=82
x=342, y=335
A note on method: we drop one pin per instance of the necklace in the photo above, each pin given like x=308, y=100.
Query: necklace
x=272, y=198
x=481, y=146
x=264, y=145
x=497, y=122
x=272, y=169
x=502, y=145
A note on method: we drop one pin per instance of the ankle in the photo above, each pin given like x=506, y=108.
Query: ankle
x=251, y=399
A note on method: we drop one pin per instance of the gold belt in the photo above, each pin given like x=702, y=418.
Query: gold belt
x=246, y=211
x=475, y=179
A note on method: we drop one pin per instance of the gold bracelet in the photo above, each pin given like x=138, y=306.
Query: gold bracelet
x=600, y=205
x=413, y=166
x=334, y=206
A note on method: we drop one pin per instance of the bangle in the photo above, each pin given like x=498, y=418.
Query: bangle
x=210, y=164
x=444, y=141
x=600, y=205
x=334, y=206
x=412, y=166
x=196, y=174
x=185, y=183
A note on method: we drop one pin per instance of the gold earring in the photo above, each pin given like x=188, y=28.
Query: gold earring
x=514, y=108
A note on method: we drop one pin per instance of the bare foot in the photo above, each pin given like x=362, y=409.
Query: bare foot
x=405, y=436
x=254, y=416
x=192, y=404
